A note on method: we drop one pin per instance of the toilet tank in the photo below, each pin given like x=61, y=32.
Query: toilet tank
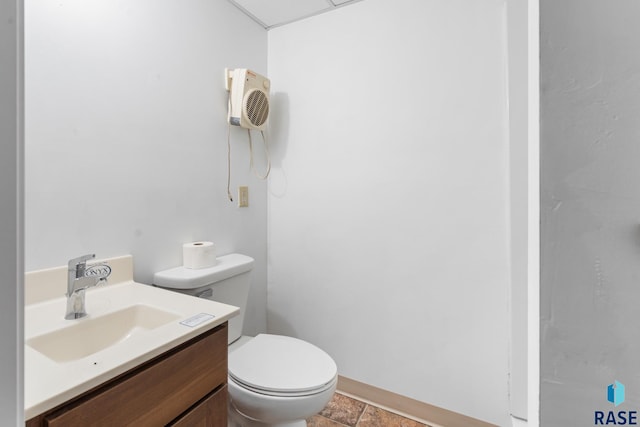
x=227, y=282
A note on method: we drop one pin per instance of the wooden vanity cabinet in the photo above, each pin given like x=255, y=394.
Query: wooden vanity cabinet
x=184, y=387
x=211, y=411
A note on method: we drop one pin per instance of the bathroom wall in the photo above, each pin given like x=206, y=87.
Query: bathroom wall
x=389, y=199
x=126, y=136
x=590, y=199
x=11, y=235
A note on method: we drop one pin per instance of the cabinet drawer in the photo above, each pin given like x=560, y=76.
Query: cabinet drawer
x=157, y=392
x=211, y=412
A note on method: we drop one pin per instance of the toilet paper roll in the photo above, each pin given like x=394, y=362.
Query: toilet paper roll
x=198, y=255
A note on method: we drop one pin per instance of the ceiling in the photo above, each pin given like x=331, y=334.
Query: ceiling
x=273, y=13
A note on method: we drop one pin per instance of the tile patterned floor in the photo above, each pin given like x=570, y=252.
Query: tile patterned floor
x=344, y=411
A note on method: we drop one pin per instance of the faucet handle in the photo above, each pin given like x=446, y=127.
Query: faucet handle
x=81, y=260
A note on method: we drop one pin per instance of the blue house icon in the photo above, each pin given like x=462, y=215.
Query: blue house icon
x=615, y=393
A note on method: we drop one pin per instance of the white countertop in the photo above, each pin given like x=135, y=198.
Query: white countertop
x=49, y=383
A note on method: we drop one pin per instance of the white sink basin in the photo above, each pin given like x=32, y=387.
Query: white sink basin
x=127, y=324
x=91, y=335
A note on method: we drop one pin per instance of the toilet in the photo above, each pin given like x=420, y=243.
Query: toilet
x=273, y=380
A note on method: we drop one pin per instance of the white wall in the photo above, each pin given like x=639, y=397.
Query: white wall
x=11, y=233
x=590, y=199
x=389, y=201
x=126, y=134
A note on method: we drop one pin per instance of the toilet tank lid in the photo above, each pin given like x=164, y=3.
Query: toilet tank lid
x=187, y=278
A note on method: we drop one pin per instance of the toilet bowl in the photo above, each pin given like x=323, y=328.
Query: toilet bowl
x=278, y=381
x=273, y=380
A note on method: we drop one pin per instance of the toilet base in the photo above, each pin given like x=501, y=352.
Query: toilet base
x=236, y=419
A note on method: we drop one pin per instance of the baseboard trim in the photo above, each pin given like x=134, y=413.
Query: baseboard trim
x=405, y=406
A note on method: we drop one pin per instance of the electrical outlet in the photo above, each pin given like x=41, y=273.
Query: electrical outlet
x=243, y=197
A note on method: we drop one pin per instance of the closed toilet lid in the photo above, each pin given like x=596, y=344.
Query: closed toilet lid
x=279, y=365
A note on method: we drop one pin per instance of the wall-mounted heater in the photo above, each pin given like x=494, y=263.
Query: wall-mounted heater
x=249, y=109
x=248, y=98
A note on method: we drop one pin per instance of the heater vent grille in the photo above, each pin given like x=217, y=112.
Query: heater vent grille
x=257, y=106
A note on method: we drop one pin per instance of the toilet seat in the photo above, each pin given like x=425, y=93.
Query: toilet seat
x=282, y=366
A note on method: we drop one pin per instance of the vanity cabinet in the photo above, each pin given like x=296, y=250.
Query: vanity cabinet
x=212, y=411
x=184, y=387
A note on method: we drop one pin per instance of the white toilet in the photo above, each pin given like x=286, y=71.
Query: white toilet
x=273, y=380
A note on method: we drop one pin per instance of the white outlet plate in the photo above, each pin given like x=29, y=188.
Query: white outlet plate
x=243, y=196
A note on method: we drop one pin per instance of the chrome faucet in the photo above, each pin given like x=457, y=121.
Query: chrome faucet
x=78, y=282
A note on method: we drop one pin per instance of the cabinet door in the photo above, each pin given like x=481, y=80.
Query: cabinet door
x=158, y=392
x=211, y=412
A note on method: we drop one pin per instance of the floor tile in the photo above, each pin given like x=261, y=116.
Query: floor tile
x=320, y=421
x=376, y=417
x=344, y=410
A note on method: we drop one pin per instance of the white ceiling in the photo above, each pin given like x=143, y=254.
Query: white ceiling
x=272, y=13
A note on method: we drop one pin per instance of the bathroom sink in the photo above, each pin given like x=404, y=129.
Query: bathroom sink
x=127, y=325
x=91, y=335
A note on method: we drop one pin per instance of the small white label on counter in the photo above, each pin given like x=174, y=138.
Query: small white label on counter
x=197, y=319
